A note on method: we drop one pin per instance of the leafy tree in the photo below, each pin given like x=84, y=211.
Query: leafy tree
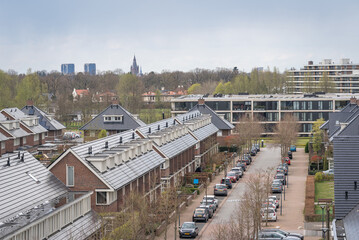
x=30, y=87
x=195, y=88
x=130, y=89
x=326, y=84
x=317, y=138
x=219, y=88
x=5, y=87
x=228, y=88
x=102, y=134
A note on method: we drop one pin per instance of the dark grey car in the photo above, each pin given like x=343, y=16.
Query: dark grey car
x=285, y=233
x=200, y=214
x=188, y=229
x=274, y=236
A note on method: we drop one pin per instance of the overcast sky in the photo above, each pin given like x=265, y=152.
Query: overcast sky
x=175, y=35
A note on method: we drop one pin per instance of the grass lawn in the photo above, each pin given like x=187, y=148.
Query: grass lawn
x=323, y=190
x=153, y=115
x=301, y=141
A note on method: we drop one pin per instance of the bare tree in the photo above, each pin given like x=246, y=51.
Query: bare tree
x=286, y=133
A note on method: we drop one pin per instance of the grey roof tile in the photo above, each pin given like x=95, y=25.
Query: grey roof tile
x=45, y=119
x=178, y=145
x=206, y=131
x=351, y=223
x=19, y=191
x=129, y=122
x=219, y=122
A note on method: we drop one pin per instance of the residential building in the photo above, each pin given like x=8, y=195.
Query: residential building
x=344, y=74
x=105, y=97
x=164, y=96
x=269, y=109
x=80, y=93
x=39, y=206
x=53, y=127
x=112, y=167
x=114, y=119
x=3, y=140
x=68, y=69
x=90, y=68
x=343, y=137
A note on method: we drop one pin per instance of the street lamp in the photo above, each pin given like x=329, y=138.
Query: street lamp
x=322, y=207
x=225, y=164
x=281, y=202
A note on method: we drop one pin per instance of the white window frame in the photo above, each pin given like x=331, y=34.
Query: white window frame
x=36, y=137
x=16, y=141
x=97, y=203
x=67, y=176
x=2, y=145
x=24, y=140
x=113, y=118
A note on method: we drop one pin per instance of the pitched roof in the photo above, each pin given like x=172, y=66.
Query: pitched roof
x=220, y=123
x=98, y=123
x=3, y=137
x=82, y=91
x=24, y=185
x=351, y=223
x=121, y=174
x=45, y=119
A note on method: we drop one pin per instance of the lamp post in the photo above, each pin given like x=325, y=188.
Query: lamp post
x=225, y=164
x=322, y=207
x=281, y=202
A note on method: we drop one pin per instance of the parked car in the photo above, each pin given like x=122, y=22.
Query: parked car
x=293, y=148
x=271, y=201
x=211, y=197
x=232, y=176
x=285, y=233
x=275, y=200
x=277, y=181
x=188, y=229
x=242, y=165
x=220, y=189
x=276, y=188
x=257, y=147
x=210, y=203
x=270, y=212
x=253, y=152
x=274, y=236
x=227, y=181
x=269, y=206
x=210, y=210
x=70, y=135
x=328, y=172
x=290, y=155
x=282, y=169
x=281, y=177
x=238, y=170
x=200, y=214
x=287, y=160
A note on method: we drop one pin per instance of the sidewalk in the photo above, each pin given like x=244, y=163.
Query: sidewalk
x=292, y=218
x=186, y=214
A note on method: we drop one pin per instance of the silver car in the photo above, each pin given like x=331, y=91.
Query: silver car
x=220, y=189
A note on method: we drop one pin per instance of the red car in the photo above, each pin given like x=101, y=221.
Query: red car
x=232, y=176
x=287, y=160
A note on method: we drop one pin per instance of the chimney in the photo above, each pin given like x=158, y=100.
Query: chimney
x=18, y=155
x=120, y=139
x=8, y=162
x=133, y=135
x=89, y=150
x=106, y=144
x=29, y=102
x=201, y=101
x=353, y=100
x=115, y=102
x=149, y=130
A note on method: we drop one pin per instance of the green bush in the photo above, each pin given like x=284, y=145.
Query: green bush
x=318, y=177
x=306, y=149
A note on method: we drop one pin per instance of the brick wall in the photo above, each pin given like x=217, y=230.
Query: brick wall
x=85, y=180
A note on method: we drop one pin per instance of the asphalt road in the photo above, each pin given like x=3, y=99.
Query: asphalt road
x=267, y=158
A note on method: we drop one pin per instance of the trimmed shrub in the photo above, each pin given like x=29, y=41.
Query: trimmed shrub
x=306, y=149
x=319, y=177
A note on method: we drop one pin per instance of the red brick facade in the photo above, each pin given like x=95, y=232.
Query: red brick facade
x=86, y=180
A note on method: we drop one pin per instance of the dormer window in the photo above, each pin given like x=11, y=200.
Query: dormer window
x=113, y=118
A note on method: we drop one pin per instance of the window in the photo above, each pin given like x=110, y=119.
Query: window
x=310, y=105
x=36, y=137
x=113, y=118
x=2, y=145
x=70, y=176
x=17, y=142
x=24, y=140
x=101, y=197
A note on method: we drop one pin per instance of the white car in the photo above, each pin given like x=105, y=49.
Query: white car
x=328, y=172
x=272, y=216
x=211, y=197
x=275, y=200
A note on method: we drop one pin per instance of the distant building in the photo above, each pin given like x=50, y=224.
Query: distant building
x=79, y=93
x=344, y=74
x=135, y=69
x=105, y=97
x=68, y=69
x=90, y=68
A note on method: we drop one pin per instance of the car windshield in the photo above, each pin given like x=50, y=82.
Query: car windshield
x=200, y=211
x=275, y=185
x=188, y=225
x=220, y=187
x=231, y=174
x=279, y=176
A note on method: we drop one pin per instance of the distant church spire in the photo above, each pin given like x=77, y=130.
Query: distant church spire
x=135, y=68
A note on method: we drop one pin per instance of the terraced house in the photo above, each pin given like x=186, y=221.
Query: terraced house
x=36, y=205
x=111, y=167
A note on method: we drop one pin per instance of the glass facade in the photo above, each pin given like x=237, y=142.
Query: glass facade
x=219, y=105
x=267, y=105
x=306, y=105
x=242, y=106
